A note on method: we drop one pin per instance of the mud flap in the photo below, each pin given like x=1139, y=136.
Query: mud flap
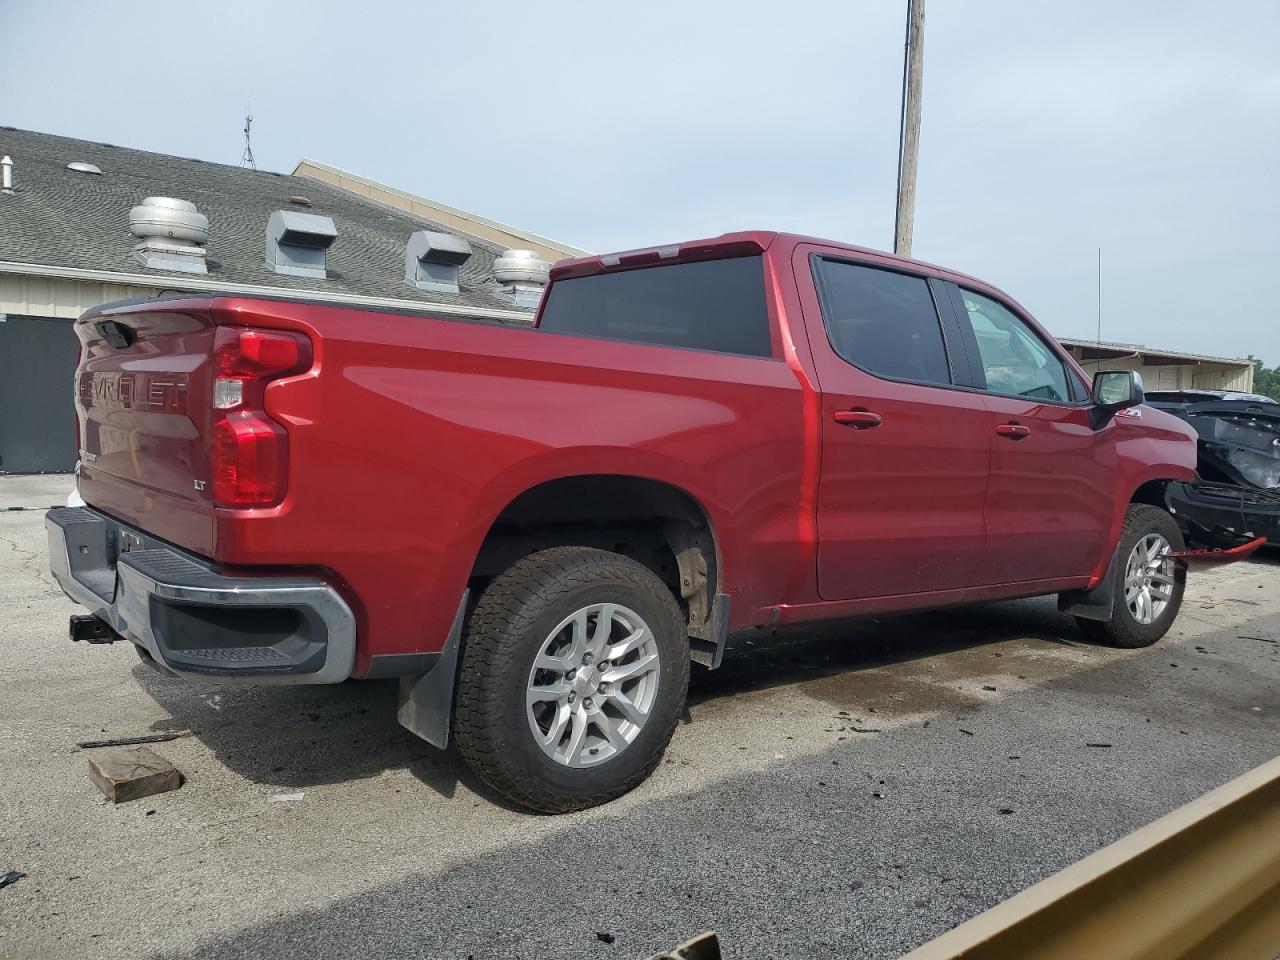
x=1095, y=604
x=709, y=650
x=426, y=701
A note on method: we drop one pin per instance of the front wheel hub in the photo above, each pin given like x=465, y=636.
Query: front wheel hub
x=1149, y=578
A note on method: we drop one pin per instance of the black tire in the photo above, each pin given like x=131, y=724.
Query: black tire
x=1123, y=629
x=507, y=629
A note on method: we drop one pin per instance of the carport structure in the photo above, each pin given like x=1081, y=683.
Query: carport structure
x=1164, y=369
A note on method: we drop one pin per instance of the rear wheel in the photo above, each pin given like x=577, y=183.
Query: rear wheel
x=574, y=672
x=1148, y=584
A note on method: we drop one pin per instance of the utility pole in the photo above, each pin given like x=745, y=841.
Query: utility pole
x=909, y=128
x=1099, y=298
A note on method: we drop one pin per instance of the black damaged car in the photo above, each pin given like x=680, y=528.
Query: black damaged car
x=1237, y=488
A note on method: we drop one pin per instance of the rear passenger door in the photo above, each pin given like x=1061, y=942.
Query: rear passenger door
x=905, y=451
x=1053, y=475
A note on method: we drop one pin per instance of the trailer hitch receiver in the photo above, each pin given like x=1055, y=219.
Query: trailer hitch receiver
x=91, y=629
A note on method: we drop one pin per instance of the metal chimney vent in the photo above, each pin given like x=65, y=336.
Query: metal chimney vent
x=296, y=243
x=6, y=174
x=523, y=275
x=171, y=234
x=431, y=261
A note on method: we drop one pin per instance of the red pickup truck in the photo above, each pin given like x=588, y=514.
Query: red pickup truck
x=538, y=529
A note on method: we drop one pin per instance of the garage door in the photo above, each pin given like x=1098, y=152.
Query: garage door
x=37, y=415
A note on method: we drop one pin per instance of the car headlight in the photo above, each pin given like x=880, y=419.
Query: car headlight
x=1261, y=471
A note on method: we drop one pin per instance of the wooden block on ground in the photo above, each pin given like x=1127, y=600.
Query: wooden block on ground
x=127, y=773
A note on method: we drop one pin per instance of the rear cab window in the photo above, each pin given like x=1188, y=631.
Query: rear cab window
x=716, y=305
x=883, y=322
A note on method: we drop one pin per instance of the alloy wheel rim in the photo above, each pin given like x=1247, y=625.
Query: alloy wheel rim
x=592, y=685
x=1149, y=578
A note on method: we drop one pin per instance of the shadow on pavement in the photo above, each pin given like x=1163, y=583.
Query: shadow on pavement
x=759, y=659
x=293, y=737
x=858, y=850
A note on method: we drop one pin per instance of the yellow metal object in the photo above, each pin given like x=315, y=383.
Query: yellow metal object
x=1202, y=882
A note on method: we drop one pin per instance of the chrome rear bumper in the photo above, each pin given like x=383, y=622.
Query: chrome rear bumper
x=193, y=621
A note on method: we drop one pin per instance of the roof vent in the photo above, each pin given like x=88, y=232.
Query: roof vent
x=79, y=166
x=6, y=174
x=296, y=243
x=523, y=275
x=431, y=261
x=171, y=234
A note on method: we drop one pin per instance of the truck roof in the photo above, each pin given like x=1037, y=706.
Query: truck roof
x=737, y=244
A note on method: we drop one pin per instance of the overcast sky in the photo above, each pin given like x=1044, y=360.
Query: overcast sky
x=1050, y=129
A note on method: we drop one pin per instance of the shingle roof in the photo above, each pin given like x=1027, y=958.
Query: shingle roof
x=61, y=218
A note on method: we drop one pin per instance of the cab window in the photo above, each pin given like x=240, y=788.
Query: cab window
x=882, y=322
x=1015, y=361
x=716, y=305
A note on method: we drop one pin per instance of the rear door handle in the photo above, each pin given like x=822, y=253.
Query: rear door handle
x=1014, y=431
x=858, y=419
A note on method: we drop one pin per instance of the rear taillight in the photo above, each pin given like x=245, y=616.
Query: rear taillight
x=75, y=406
x=250, y=451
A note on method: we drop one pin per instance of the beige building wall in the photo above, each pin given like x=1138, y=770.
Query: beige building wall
x=1181, y=376
x=57, y=297
x=47, y=292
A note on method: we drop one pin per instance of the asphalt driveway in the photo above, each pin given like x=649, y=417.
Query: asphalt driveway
x=848, y=790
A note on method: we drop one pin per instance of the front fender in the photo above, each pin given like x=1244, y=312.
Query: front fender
x=1154, y=448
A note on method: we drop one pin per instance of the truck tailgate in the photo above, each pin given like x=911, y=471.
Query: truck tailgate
x=143, y=389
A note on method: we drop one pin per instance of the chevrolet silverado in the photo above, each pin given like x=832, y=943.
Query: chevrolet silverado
x=538, y=529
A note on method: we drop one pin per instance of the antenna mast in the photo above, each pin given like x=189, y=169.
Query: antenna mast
x=246, y=158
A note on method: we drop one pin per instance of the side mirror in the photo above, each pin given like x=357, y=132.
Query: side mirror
x=1114, y=390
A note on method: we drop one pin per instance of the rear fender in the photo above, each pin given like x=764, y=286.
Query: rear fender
x=493, y=499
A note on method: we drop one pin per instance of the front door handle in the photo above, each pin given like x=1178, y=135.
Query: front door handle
x=1014, y=431
x=858, y=419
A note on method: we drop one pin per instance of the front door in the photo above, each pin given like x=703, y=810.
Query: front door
x=1051, y=493
x=905, y=453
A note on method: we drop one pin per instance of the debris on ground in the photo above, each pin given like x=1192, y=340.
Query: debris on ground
x=286, y=797
x=11, y=877
x=129, y=773
x=705, y=946
x=1097, y=744
x=605, y=937
x=130, y=741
